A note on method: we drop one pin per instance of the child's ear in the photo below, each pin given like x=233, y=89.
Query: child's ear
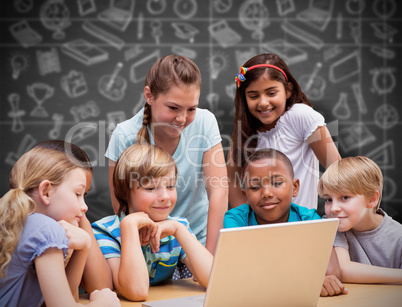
x=296, y=186
x=289, y=90
x=148, y=95
x=373, y=200
x=44, y=191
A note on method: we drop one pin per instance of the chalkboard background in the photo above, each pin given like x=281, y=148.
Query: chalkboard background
x=73, y=69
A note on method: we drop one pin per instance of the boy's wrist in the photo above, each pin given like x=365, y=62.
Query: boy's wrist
x=130, y=222
x=179, y=227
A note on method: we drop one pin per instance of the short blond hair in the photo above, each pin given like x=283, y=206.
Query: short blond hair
x=357, y=175
x=138, y=164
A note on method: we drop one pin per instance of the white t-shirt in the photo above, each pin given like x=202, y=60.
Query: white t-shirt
x=202, y=134
x=289, y=136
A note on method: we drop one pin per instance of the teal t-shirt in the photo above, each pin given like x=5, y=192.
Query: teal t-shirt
x=244, y=216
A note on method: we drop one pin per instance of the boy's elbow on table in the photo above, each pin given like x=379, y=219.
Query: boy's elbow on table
x=135, y=294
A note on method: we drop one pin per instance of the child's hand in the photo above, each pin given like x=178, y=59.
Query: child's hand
x=146, y=227
x=104, y=297
x=332, y=286
x=164, y=229
x=78, y=239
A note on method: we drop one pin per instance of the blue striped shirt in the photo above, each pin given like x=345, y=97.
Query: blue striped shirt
x=161, y=265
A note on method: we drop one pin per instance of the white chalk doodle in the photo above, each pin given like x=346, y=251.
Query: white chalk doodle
x=318, y=14
x=16, y=113
x=217, y=63
x=223, y=34
x=19, y=63
x=341, y=110
x=48, y=61
x=24, y=34
x=40, y=92
x=86, y=7
x=84, y=52
x=113, y=86
x=185, y=31
x=55, y=16
x=185, y=9
x=254, y=16
x=156, y=7
x=85, y=111
x=58, y=119
x=119, y=14
x=386, y=116
x=74, y=84
x=285, y=7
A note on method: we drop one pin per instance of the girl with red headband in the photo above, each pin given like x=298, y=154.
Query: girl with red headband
x=273, y=112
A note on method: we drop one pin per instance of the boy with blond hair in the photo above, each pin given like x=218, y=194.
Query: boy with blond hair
x=369, y=242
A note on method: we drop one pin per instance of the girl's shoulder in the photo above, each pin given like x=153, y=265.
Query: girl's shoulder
x=204, y=115
x=300, y=114
x=132, y=123
x=204, y=123
x=301, y=108
x=38, y=220
x=40, y=233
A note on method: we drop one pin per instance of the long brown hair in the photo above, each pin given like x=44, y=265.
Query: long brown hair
x=29, y=171
x=245, y=124
x=168, y=71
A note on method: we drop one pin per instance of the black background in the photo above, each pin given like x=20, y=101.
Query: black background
x=360, y=101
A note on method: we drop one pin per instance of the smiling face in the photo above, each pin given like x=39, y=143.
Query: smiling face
x=174, y=110
x=66, y=201
x=266, y=100
x=269, y=188
x=353, y=211
x=156, y=197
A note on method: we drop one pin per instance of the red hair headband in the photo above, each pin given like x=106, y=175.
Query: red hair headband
x=240, y=76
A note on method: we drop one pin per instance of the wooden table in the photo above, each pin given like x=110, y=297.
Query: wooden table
x=359, y=294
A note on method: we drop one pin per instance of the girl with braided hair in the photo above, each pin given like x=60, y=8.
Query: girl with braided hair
x=172, y=120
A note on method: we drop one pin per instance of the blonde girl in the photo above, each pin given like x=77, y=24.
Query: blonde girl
x=97, y=274
x=172, y=120
x=39, y=218
x=273, y=112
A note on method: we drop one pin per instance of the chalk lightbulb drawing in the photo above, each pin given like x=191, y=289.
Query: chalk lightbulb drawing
x=18, y=62
x=217, y=63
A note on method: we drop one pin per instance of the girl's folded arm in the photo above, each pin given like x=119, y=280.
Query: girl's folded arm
x=54, y=285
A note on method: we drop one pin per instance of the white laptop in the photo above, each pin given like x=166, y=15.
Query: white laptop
x=267, y=265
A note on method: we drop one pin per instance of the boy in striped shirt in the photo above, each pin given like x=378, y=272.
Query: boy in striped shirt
x=142, y=243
